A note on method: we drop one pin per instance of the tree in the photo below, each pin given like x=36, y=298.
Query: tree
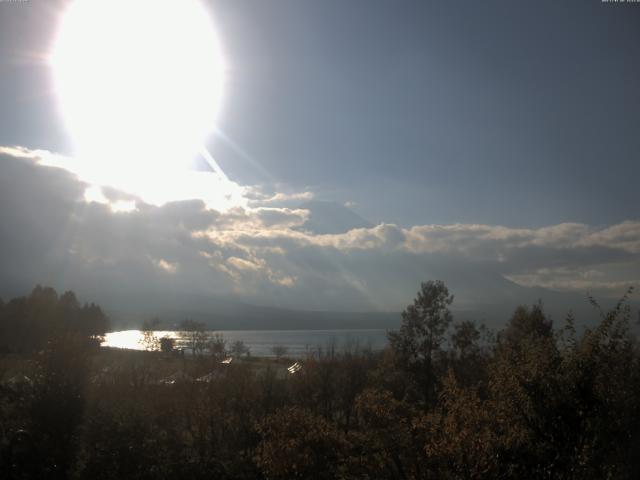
x=279, y=351
x=525, y=324
x=469, y=351
x=422, y=332
x=218, y=347
x=29, y=323
x=464, y=339
x=167, y=344
x=58, y=404
x=149, y=340
x=239, y=348
x=388, y=437
x=295, y=443
x=195, y=335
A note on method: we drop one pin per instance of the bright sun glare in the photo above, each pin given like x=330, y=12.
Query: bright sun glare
x=139, y=84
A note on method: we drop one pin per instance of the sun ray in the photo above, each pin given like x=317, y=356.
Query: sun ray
x=243, y=154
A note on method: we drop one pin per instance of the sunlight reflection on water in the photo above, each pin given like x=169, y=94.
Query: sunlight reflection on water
x=261, y=342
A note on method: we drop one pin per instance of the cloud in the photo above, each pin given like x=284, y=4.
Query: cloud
x=258, y=197
x=578, y=278
x=168, y=267
x=51, y=233
x=281, y=217
x=288, y=197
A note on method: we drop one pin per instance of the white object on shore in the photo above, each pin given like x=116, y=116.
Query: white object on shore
x=295, y=367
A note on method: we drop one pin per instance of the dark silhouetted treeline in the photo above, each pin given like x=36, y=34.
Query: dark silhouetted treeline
x=445, y=400
x=28, y=323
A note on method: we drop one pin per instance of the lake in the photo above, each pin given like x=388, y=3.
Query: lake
x=261, y=342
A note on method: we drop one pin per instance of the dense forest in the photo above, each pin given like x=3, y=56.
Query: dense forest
x=444, y=400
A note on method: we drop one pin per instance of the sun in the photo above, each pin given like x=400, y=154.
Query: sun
x=139, y=84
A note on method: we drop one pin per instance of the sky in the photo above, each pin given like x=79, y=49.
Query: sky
x=492, y=144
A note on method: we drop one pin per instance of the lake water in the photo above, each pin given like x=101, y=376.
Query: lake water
x=261, y=342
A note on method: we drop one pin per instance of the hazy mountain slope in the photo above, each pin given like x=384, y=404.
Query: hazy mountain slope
x=331, y=217
x=233, y=314
x=230, y=314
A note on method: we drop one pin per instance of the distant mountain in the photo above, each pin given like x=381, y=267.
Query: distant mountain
x=491, y=298
x=331, y=217
x=480, y=295
x=220, y=313
x=228, y=313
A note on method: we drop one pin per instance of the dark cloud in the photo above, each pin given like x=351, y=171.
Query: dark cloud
x=51, y=234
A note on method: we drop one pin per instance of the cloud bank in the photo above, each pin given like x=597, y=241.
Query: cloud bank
x=52, y=231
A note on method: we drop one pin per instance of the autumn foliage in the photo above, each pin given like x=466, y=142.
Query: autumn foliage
x=445, y=400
